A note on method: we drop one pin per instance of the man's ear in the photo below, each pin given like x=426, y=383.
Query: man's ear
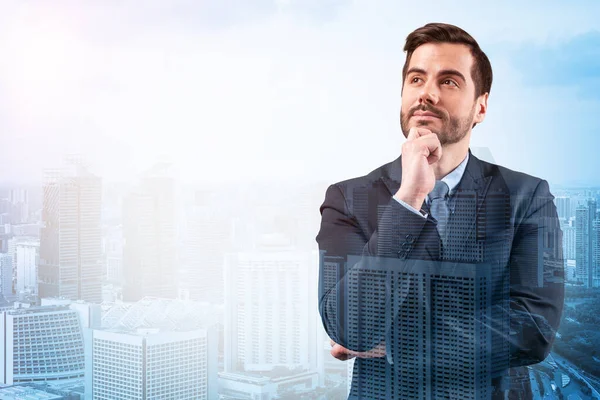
x=480, y=108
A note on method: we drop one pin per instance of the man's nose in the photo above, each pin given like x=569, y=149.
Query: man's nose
x=429, y=93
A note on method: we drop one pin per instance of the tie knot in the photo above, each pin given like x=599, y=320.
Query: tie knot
x=440, y=190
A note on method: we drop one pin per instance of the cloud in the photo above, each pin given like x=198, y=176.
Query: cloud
x=241, y=90
x=574, y=63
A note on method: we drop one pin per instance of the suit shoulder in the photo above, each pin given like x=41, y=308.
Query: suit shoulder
x=517, y=182
x=366, y=180
x=527, y=192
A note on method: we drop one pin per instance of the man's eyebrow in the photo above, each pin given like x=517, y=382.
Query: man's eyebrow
x=416, y=70
x=454, y=72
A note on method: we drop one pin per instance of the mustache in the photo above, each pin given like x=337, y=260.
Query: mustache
x=427, y=108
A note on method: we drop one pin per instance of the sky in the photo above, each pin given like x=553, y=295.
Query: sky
x=239, y=91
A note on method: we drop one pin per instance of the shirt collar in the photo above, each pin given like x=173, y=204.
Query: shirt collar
x=454, y=177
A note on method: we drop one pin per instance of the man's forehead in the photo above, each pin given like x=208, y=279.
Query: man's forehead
x=432, y=57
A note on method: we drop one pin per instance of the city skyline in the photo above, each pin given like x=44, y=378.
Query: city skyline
x=175, y=255
x=263, y=237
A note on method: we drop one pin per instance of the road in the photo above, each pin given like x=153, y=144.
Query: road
x=566, y=367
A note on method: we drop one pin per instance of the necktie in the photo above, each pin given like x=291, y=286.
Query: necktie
x=438, y=206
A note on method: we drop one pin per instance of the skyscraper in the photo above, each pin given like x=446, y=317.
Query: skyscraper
x=27, y=253
x=270, y=303
x=569, y=235
x=208, y=235
x=596, y=252
x=584, y=243
x=563, y=207
x=19, y=206
x=149, y=253
x=70, y=263
x=113, y=254
x=6, y=276
x=450, y=339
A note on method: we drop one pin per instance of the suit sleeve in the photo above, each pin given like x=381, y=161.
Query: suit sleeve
x=536, y=281
x=357, y=271
x=411, y=208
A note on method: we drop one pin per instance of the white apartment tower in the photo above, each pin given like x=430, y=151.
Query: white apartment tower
x=270, y=308
x=26, y=254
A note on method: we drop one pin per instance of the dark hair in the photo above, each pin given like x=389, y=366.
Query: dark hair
x=481, y=72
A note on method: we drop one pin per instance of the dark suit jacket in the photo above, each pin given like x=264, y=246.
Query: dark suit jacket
x=460, y=319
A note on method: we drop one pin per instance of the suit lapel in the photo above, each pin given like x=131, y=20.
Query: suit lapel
x=467, y=201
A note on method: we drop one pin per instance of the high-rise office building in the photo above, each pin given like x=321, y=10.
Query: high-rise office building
x=18, y=196
x=27, y=253
x=19, y=206
x=149, y=252
x=569, y=235
x=208, y=236
x=39, y=344
x=270, y=304
x=5, y=233
x=113, y=254
x=449, y=340
x=563, y=207
x=25, y=265
x=584, y=242
x=596, y=252
x=6, y=276
x=70, y=262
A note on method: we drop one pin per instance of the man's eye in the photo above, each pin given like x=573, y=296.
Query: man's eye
x=449, y=82
x=415, y=79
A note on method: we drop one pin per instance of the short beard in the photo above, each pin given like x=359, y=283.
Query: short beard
x=453, y=129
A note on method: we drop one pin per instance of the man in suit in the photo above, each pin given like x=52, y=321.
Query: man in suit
x=441, y=273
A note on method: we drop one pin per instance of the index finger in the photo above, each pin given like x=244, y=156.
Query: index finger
x=415, y=133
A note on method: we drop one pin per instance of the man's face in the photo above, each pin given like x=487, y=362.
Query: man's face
x=439, y=92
